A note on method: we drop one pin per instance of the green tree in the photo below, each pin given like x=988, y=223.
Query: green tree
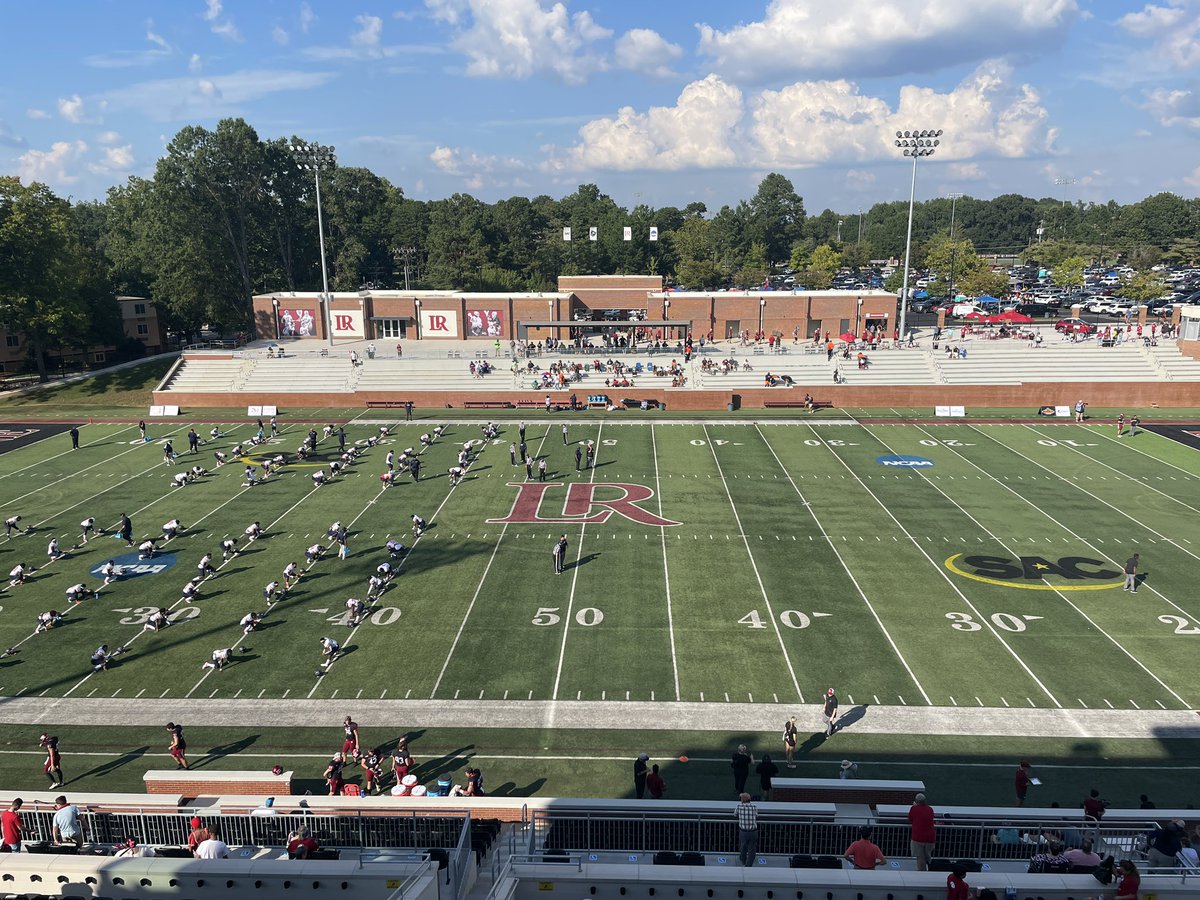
x=822, y=266
x=1144, y=286
x=457, y=242
x=1184, y=250
x=856, y=256
x=981, y=280
x=776, y=217
x=1069, y=272
x=753, y=271
x=698, y=267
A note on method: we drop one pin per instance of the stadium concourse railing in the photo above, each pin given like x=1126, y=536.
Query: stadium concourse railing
x=824, y=833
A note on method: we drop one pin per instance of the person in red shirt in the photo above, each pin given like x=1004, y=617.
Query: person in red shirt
x=956, y=885
x=350, y=740
x=1093, y=806
x=923, y=836
x=1130, y=883
x=10, y=827
x=1022, y=781
x=655, y=784
x=864, y=853
x=301, y=843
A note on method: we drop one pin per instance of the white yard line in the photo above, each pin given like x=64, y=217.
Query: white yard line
x=1102, y=432
x=662, y=529
x=562, y=650
x=754, y=566
x=411, y=550
x=987, y=623
x=64, y=453
x=478, y=589
x=846, y=567
x=1062, y=595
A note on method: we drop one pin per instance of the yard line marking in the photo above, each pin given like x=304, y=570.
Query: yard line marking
x=753, y=565
x=1110, y=706
x=878, y=621
x=1085, y=706
x=1169, y=496
x=941, y=570
x=562, y=650
x=1059, y=593
x=666, y=571
x=164, y=693
x=65, y=452
x=1103, y=432
x=478, y=589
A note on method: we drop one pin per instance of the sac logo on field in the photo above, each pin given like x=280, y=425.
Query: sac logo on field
x=132, y=567
x=899, y=461
x=1036, y=573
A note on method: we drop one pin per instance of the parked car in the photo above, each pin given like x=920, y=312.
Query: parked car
x=1077, y=326
x=924, y=305
x=1033, y=310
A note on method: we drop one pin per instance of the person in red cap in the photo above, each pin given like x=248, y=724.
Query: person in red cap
x=198, y=835
x=830, y=712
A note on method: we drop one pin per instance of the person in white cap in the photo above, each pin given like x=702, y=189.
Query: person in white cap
x=830, y=712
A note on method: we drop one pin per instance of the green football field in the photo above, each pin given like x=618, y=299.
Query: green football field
x=969, y=565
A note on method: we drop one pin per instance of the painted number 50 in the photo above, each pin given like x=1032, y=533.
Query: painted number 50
x=548, y=615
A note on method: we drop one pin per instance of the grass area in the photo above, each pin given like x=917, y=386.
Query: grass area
x=119, y=393
x=983, y=571
x=584, y=763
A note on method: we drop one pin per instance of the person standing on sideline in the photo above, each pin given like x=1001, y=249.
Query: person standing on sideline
x=578, y=456
x=923, y=835
x=1131, y=567
x=747, y=819
x=512, y=453
x=178, y=746
x=1134, y=422
x=52, y=767
x=766, y=771
x=564, y=431
x=557, y=553
x=829, y=712
x=142, y=430
x=591, y=455
x=1080, y=408
x=741, y=768
x=529, y=468
x=521, y=431
x=1120, y=424
x=1022, y=781
x=74, y=437
x=408, y=409
x=542, y=469
x=640, y=771
x=789, y=740
x=125, y=530
x=655, y=783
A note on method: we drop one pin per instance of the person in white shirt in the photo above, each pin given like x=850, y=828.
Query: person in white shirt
x=53, y=550
x=133, y=848
x=313, y=553
x=418, y=526
x=357, y=610
x=172, y=528
x=228, y=548
x=14, y=523
x=318, y=477
x=253, y=531
x=456, y=474
x=111, y=571
x=205, y=566
x=291, y=574
x=329, y=650
x=158, y=620
x=146, y=550
x=220, y=659
x=269, y=592
x=385, y=571
x=214, y=847
x=250, y=622
x=47, y=620
x=180, y=479
x=190, y=592
x=87, y=526
x=17, y=575
x=77, y=593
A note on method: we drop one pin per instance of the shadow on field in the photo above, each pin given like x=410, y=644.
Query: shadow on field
x=218, y=753
x=112, y=765
x=448, y=762
x=510, y=789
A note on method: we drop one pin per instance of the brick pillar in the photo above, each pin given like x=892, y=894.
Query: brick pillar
x=1142, y=314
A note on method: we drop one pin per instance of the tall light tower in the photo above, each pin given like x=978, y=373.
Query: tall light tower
x=1064, y=183
x=954, y=196
x=314, y=157
x=915, y=144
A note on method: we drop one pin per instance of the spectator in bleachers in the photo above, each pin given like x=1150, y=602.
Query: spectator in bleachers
x=847, y=770
x=301, y=843
x=1022, y=781
x=214, y=847
x=198, y=835
x=956, y=884
x=747, y=818
x=1187, y=853
x=1052, y=859
x=132, y=848
x=1165, y=843
x=1145, y=802
x=740, y=765
x=864, y=853
x=923, y=835
x=1129, y=887
x=1083, y=855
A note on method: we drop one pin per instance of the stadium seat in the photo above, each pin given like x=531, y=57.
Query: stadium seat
x=806, y=861
x=666, y=858
x=691, y=859
x=947, y=865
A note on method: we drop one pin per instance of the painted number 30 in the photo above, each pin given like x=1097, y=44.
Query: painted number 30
x=964, y=622
x=548, y=615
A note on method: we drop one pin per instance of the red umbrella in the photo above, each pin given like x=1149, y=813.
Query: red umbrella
x=849, y=338
x=1015, y=317
x=995, y=320
x=976, y=315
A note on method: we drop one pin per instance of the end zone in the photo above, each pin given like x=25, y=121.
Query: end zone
x=13, y=436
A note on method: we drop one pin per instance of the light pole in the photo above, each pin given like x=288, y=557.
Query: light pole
x=953, y=195
x=857, y=316
x=275, y=308
x=839, y=231
x=915, y=144
x=314, y=157
x=408, y=255
x=1064, y=183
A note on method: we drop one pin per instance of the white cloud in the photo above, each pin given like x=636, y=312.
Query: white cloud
x=125, y=59
x=367, y=43
x=696, y=133
x=279, y=36
x=1173, y=30
x=966, y=171
x=108, y=138
x=522, y=38
x=52, y=166
x=116, y=160
x=644, y=50
x=307, y=17
x=195, y=63
x=452, y=161
x=1178, y=106
x=220, y=27
x=369, y=33
x=37, y=113
x=157, y=39
x=859, y=179
x=1194, y=178
x=811, y=123
x=71, y=108
x=883, y=37
x=180, y=99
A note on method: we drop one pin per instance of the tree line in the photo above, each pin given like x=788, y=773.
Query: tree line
x=228, y=214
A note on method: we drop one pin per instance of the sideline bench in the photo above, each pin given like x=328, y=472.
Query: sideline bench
x=385, y=404
x=794, y=404
x=191, y=783
x=530, y=404
x=486, y=404
x=871, y=792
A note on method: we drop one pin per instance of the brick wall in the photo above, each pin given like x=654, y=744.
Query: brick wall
x=1030, y=396
x=183, y=787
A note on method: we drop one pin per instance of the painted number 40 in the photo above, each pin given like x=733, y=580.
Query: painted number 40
x=792, y=618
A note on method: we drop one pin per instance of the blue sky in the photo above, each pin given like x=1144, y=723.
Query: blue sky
x=660, y=103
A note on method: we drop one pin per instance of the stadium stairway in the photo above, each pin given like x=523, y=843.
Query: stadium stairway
x=1173, y=364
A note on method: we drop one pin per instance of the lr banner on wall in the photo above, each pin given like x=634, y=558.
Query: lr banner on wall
x=296, y=323
x=437, y=323
x=348, y=323
x=485, y=323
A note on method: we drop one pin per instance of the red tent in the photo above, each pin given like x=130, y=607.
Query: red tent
x=849, y=337
x=1015, y=317
x=976, y=315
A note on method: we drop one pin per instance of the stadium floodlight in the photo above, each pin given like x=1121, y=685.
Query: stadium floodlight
x=916, y=144
x=315, y=157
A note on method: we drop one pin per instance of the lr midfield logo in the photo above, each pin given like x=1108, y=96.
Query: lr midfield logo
x=580, y=501
x=1035, y=573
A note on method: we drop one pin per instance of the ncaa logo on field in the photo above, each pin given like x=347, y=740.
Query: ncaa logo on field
x=899, y=461
x=133, y=567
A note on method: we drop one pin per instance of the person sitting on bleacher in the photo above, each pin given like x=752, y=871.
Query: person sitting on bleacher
x=1051, y=859
x=301, y=843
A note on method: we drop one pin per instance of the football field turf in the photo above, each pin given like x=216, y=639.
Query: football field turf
x=944, y=565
